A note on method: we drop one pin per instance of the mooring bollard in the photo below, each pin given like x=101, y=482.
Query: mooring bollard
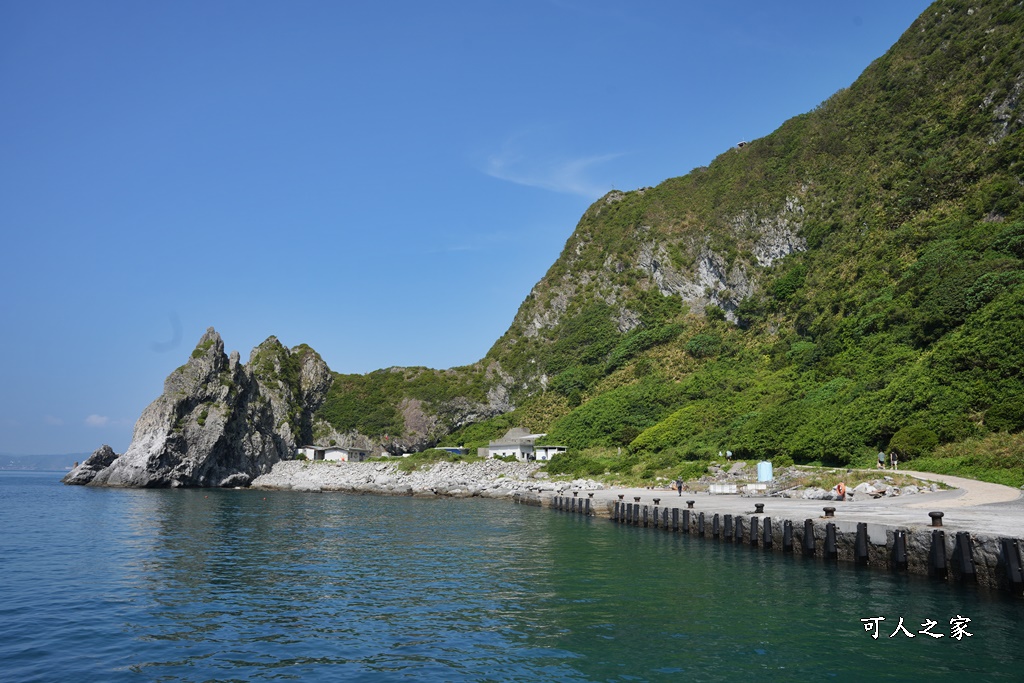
x=937, y=567
x=657, y=501
x=1011, y=560
x=753, y=531
x=899, y=550
x=728, y=528
x=621, y=496
x=831, y=551
x=809, y=545
x=936, y=518
x=830, y=512
x=860, y=545
x=689, y=504
x=636, y=499
x=963, y=558
x=787, y=536
x=575, y=493
x=766, y=536
x=758, y=508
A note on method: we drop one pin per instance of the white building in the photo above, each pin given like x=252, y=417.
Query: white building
x=517, y=441
x=335, y=453
x=545, y=452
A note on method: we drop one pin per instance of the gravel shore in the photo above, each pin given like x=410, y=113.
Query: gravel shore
x=490, y=478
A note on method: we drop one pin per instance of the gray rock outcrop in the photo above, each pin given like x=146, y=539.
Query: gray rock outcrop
x=218, y=422
x=101, y=458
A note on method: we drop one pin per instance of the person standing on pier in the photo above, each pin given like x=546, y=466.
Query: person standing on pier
x=893, y=458
x=881, y=460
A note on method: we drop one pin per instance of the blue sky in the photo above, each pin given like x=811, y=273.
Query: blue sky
x=383, y=181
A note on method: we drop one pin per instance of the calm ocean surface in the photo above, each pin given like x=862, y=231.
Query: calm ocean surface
x=199, y=585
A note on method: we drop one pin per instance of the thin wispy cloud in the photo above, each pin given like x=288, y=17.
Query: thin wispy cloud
x=97, y=421
x=53, y=421
x=569, y=175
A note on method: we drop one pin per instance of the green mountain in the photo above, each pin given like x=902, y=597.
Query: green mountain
x=849, y=283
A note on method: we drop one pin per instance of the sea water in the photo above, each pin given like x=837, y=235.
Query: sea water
x=198, y=585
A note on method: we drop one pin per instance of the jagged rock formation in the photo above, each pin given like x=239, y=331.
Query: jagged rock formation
x=218, y=422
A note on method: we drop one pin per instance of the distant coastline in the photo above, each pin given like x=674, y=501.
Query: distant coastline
x=36, y=469
x=41, y=463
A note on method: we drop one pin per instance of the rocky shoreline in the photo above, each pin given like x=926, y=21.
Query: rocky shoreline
x=487, y=479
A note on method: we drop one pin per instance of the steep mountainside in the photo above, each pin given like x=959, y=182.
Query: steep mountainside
x=813, y=294
x=851, y=282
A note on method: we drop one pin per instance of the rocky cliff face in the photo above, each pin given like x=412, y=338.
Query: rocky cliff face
x=218, y=422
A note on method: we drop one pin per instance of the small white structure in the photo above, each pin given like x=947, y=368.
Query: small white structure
x=335, y=453
x=545, y=452
x=517, y=441
x=454, y=450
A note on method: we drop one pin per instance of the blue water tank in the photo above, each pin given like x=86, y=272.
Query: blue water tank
x=764, y=471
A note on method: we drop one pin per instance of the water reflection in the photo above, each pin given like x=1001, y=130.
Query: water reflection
x=263, y=581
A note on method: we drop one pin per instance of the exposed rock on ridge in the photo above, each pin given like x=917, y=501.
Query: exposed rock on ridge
x=710, y=279
x=218, y=422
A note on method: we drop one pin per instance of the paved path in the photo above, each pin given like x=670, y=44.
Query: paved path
x=972, y=492
x=976, y=507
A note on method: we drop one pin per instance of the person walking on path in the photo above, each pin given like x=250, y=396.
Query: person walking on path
x=679, y=485
x=894, y=459
x=881, y=460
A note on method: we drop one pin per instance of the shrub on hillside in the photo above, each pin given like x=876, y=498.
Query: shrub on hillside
x=913, y=441
x=1006, y=416
x=703, y=345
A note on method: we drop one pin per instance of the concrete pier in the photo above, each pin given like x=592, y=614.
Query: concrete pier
x=973, y=541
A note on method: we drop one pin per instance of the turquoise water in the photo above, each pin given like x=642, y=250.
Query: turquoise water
x=194, y=585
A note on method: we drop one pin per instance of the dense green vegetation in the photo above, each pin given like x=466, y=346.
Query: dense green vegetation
x=899, y=326
x=370, y=403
